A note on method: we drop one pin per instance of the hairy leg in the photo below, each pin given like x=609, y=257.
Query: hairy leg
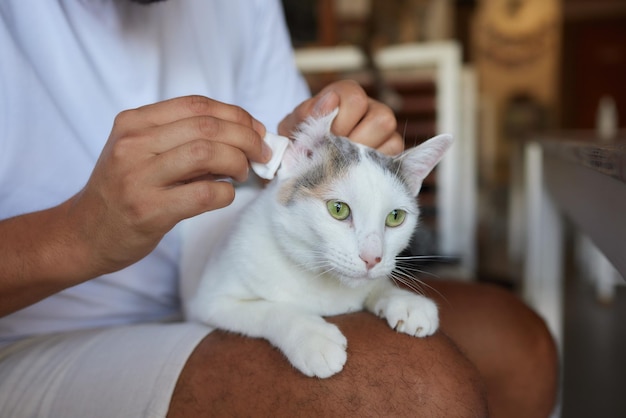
x=509, y=344
x=387, y=374
x=506, y=341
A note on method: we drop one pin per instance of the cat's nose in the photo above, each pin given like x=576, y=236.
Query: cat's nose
x=371, y=250
x=370, y=261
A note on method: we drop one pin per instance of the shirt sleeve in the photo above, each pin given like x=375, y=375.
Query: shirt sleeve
x=271, y=85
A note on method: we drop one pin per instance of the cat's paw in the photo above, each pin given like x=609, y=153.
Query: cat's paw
x=321, y=352
x=410, y=314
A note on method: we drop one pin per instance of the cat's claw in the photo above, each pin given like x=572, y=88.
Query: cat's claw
x=321, y=352
x=410, y=314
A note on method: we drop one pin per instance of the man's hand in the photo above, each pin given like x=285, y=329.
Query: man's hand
x=360, y=118
x=161, y=164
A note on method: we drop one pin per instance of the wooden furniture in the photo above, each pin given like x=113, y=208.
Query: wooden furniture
x=455, y=97
x=585, y=181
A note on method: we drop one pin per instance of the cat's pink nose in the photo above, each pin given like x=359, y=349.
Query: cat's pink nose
x=370, y=261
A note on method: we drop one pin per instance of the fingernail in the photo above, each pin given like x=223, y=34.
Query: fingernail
x=258, y=127
x=266, y=151
x=321, y=106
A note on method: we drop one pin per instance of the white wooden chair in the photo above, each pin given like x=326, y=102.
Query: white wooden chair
x=456, y=114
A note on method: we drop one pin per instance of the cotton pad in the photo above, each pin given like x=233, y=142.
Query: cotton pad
x=278, y=144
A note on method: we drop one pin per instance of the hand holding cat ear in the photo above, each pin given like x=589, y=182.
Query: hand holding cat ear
x=360, y=118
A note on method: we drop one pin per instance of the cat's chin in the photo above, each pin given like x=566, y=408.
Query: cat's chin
x=354, y=281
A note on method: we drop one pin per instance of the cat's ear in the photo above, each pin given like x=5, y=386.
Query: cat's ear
x=307, y=139
x=418, y=162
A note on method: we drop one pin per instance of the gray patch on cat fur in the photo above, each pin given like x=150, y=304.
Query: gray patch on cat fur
x=331, y=161
x=345, y=149
x=389, y=164
x=392, y=165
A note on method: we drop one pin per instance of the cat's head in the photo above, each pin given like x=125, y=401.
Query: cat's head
x=345, y=209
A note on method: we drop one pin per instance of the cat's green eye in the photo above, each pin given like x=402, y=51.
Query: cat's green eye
x=395, y=218
x=338, y=210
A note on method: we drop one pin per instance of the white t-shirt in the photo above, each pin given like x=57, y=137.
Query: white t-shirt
x=69, y=66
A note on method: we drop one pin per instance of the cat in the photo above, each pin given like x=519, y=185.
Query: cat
x=321, y=239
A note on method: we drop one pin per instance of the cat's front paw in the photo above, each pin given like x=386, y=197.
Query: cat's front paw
x=409, y=313
x=320, y=352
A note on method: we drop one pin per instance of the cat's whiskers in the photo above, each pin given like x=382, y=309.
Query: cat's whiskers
x=325, y=272
x=411, y=283
x=320, y=267
x=405, y=273
x=416, y=284
x=313, y=264
x=399, y=159
x=425, y=258
x=410, y=268
x=289, y=240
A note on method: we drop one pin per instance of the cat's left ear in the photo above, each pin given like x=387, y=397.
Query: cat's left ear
x=418, y=162
x=308, y=138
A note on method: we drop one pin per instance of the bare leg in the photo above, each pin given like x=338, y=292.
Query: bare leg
x=387, y=374
x=509, y=344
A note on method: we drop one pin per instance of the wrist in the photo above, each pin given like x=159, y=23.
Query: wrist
x=41, y=255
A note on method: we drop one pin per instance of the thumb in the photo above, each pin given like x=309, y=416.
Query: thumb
x=322, y=103
x=325, y=103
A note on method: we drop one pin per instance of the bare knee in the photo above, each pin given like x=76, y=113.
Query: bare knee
x=407, y=376
x=386, y=374
x=526, y=383
x=489, y=317
x=508, y=342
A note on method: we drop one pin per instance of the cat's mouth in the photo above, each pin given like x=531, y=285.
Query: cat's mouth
x=357, y=279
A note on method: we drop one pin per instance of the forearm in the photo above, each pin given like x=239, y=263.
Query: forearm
x=42, y=254
x=156, y=169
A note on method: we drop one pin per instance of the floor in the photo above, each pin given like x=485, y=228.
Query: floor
x=594, y=374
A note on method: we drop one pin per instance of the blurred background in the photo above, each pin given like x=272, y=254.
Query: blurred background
x=496, y=74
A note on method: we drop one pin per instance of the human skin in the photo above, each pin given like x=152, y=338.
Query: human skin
x=387, y=374
x=159, y=166
x=492, y=357
x=360, y=118
x=508, y=343
x=155, y=170
x=172, y=151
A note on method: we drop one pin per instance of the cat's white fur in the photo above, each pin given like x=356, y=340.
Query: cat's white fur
x=286, y=262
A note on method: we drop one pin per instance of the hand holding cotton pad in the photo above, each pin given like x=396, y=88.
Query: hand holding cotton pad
x=278, y=144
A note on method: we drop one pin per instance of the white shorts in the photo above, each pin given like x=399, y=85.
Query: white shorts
x=128, y=371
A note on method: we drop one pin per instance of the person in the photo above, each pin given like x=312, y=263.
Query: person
x=118, y=121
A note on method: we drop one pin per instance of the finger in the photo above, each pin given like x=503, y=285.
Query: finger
x=392, y=146
x=376, y=127
x=188, y=200
x=177, y=133
x=325, y=102
x=198, y=158
x=348, y=95
x=353, y=106
x=185, y=107
x=288, y=125
x=321, y=104
x=360, y=118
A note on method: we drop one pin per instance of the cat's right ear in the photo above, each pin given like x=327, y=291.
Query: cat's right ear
x=418, y=162
x=307, y=139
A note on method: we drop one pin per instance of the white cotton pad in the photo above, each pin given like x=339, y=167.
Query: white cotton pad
x=278, y=144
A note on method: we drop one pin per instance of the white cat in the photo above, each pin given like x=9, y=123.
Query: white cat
x=320, y=240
